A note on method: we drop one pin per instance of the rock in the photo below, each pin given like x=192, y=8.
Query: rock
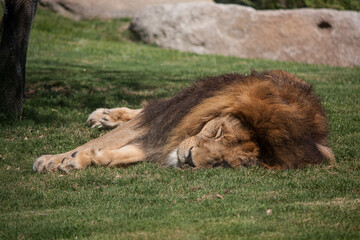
x=103, y=9
x=321, y=36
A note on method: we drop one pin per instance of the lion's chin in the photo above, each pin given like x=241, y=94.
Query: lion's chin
x=172, y=159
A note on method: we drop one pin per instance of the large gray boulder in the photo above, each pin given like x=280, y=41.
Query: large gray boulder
x=103, y=9
x=305, y=35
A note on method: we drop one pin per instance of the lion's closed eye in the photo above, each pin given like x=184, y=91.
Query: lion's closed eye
x=219, y=133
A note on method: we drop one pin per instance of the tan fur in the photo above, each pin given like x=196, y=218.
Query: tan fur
x=271, y=119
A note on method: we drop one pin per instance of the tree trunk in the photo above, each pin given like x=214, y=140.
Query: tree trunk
x=14, y=32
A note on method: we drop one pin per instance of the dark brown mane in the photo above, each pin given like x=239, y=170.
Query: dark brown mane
x=288, y=121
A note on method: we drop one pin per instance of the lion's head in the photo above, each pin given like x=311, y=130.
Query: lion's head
x=271, y=119
x=223, y=141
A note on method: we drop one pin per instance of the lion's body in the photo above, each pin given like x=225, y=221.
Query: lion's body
x=271, y=119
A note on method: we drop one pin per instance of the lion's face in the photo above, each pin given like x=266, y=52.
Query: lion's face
x=223, y=141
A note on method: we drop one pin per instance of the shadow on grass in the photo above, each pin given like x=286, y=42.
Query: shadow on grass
x=53, y=90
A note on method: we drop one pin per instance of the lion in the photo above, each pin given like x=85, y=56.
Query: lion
x=270, y=119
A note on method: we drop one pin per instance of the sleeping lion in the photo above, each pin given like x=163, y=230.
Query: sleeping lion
x=271, y=119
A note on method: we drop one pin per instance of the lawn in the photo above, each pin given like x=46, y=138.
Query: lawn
x=76, y=67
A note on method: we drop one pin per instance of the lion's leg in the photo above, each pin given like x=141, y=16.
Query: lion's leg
x=113, y=140
x=81, y=159
x=111, y=118
x=126, y=155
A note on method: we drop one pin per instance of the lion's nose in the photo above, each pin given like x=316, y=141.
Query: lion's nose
x=188, y=159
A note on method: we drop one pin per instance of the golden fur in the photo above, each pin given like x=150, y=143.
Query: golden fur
x=271, y=119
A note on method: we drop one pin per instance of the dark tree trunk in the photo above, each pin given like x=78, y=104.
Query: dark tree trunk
x=14, y=32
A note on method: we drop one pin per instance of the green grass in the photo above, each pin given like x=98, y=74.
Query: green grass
x=75, y=67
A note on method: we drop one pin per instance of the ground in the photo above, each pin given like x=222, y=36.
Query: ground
x=76, y=67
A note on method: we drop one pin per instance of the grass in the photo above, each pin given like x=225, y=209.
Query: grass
x=75, y=67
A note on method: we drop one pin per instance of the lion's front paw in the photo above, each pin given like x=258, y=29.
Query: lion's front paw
x=63, y=162
x=77, y=160
x=47, y=163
